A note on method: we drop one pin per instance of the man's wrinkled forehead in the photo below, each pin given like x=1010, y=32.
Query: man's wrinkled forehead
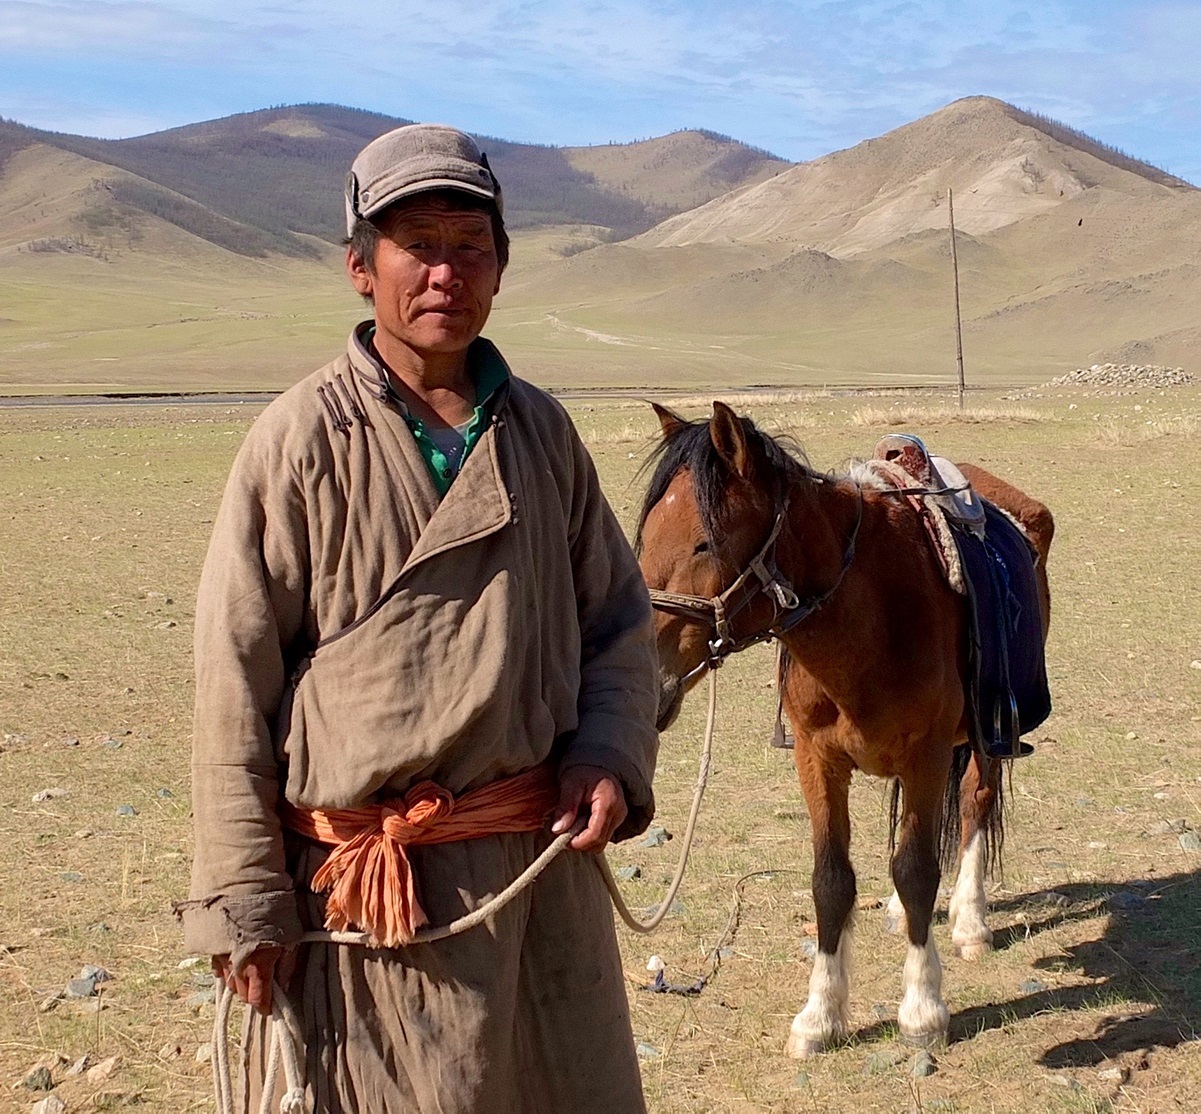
x=437, y=209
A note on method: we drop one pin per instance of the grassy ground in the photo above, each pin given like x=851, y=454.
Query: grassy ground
x=1091, y=1002
x=211, y=321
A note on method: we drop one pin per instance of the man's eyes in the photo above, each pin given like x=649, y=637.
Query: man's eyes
x=428, y=245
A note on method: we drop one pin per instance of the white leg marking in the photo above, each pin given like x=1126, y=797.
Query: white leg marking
x=969, y=932
x=923, y=1017
x=894, y=916
x=825, y=1020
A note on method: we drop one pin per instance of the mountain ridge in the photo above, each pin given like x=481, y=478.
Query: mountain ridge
x=836, y=269
x=280, y=170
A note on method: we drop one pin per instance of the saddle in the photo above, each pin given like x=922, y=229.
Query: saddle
x=940, y=480
x=988, y=559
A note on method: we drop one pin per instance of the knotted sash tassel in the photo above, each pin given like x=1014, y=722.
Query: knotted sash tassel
x=368, y=875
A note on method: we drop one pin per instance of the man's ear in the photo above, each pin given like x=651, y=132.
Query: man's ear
x=359, y=273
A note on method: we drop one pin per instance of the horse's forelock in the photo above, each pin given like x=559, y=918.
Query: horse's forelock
x=689, y=447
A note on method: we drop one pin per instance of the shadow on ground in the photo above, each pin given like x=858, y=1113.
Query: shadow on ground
x=1148, y=953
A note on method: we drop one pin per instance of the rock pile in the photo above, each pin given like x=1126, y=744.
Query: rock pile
x=1124, y=375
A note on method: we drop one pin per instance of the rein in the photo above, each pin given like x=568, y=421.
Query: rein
x=719, y=611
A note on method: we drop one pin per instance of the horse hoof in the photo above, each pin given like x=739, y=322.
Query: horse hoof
x=977, y=949
x=935, y=1039
x=804, y=1048
x=894, y=924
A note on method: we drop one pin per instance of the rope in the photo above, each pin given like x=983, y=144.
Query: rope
x=702, y=779
x=726, y=940
x=286, y=1033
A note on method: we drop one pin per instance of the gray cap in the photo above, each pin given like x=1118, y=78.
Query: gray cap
x=413, y=159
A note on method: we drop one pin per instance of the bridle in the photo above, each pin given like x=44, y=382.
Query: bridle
x=761, y=575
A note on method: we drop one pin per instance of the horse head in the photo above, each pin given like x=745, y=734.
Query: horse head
x=714, y=496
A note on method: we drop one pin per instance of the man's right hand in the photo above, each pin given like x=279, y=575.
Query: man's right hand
x=263, y=968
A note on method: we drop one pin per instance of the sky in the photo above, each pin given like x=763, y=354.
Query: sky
x=799, y=78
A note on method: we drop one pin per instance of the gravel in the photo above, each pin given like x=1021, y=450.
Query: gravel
x=1124, y=375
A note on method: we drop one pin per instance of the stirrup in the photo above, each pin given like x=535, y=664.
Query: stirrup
x=1002, y=749
x=781, y=739
x=1005, y=753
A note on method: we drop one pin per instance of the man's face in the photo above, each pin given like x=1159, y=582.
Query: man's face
x=433, y=278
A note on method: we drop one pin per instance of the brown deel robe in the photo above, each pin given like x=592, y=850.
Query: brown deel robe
x=354, y=635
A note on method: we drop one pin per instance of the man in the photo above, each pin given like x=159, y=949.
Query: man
x=417, y=606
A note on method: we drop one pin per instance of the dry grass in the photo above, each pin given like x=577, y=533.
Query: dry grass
x=1118, y=433
x=745, y=399
x=941, y=414
x=122, y=501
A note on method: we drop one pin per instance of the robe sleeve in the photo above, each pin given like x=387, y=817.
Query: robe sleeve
x=619, y=686
x=250, y=610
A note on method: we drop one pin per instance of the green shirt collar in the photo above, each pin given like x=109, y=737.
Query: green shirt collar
x=490, y=374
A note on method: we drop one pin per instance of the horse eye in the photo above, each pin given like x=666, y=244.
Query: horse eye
x=701, y=547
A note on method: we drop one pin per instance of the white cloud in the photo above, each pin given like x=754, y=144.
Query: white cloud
x=795, y=76
x=73, y=26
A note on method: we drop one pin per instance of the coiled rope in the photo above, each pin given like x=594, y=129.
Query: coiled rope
x=286, y=1035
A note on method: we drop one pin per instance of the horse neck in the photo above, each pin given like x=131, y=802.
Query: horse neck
x=821, y=521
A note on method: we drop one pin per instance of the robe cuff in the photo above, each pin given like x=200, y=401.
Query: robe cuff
x=236, y=925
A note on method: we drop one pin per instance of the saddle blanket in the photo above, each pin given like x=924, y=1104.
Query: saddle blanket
x=1007, y=672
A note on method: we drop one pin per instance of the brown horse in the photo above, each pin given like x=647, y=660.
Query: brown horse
x=848, y=582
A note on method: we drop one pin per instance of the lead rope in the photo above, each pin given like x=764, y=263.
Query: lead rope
x=698, y=792
x=286, y=1036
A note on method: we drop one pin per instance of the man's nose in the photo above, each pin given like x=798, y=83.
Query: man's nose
x=444, y=276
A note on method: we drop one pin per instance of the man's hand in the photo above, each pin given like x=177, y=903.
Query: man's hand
x=253, y=983
x=595, y=792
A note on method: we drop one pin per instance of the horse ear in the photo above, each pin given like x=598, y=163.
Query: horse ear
x=728, y=435
x=669, y=421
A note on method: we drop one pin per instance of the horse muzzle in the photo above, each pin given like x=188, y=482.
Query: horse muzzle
x=671, y=699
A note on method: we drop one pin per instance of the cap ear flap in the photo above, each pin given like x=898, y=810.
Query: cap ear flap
x=669, y=421
x=729, y=438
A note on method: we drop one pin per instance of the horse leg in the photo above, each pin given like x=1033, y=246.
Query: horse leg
x=969, y=932
x=922, y=1016
x=825, y=1019
x=977, y=798
x=894, y=916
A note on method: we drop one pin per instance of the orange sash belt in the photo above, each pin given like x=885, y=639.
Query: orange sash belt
x=368, y=876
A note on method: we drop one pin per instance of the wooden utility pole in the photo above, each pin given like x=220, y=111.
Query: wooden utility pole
x=955, y=269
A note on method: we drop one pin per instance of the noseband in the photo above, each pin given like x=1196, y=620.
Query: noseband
x=762, y=576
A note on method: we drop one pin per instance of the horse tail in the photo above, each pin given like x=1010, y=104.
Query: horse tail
x=994, y=822
x=987, y=809
x=990, y=820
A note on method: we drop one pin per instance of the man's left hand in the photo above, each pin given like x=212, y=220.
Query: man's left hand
x=596, y=792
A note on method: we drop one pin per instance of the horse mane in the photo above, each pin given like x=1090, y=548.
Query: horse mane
x=690, y=447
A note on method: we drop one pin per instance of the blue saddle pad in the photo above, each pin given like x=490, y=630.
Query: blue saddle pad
x=1007, y=671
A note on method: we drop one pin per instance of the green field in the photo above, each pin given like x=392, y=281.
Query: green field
x=1092, y=1000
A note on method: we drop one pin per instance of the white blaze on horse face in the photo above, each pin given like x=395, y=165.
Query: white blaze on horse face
x=923, y=1016
x=969, y=932
x=825, y=1020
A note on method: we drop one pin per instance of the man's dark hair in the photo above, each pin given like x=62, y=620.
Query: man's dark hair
x=366, y=234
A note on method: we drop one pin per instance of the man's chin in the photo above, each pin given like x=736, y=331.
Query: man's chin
x=445, y=340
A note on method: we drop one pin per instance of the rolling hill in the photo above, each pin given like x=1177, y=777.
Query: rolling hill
x=278, y=175
x=207, y=256
x=1069, y=253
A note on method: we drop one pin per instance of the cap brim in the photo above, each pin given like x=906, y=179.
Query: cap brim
x=379, y=204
